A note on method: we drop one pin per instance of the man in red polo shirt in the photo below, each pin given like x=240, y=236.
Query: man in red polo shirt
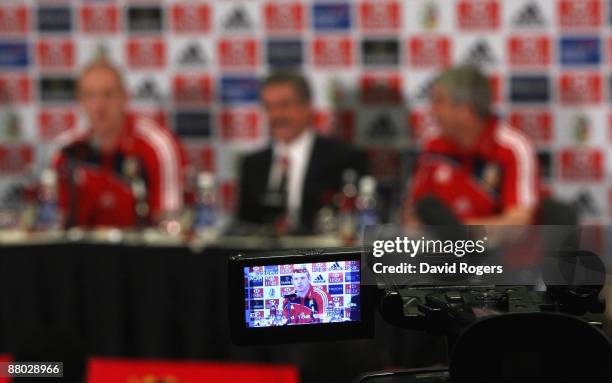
x=307, y=303
x=123, y=171
x=479, y=168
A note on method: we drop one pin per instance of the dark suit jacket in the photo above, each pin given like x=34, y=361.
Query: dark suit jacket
x=328, y=160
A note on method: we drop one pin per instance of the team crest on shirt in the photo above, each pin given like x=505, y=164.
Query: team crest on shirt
x=443, y=174
x=491, y=175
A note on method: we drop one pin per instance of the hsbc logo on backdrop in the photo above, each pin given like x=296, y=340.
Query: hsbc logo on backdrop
x=239, y=125
x=581, y=88
x=238, y=52
x=146, y=53
x=429, y=52
x=582, y=164
x=192, y=88
x=56, y=53
x=14, y=19
x=15, y=88
x=537, y=124
x=377, y=89
x=330, y=17
x=529, y=51
x=333, y=52
x=284, y=17
x=14, y=54
x=580, y=14
x=99, y=18
x=191, y=18
x=580, y=51
x=239, y=89
x=53, y=122
x=380, y=15
x=16, y=158
x=475, y=14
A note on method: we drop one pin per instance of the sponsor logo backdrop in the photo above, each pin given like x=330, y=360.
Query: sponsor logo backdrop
x=194, y=66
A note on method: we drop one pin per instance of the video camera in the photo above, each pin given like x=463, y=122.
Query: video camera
x=495, y=333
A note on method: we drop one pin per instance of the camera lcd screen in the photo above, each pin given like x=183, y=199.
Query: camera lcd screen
x=302, y=293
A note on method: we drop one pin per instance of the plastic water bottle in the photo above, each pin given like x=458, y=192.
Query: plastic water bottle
x=48, y=215
x=346, y=215
x=205, y=209
x=367, y=213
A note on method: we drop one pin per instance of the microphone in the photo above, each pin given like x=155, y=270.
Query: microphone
x=441, y=220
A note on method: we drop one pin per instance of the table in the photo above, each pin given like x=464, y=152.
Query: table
x=165, y=300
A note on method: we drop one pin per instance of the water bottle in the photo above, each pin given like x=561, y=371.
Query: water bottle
x=367, y=213
x=346, y=215
x=205, y=208
x=48, y=216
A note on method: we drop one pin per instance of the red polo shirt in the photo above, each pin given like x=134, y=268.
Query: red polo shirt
x=96, y=188
x=500, y=171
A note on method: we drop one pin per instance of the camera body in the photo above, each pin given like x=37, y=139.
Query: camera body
x=321, y=295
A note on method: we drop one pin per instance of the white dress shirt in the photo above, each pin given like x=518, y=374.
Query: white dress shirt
x=298, y=153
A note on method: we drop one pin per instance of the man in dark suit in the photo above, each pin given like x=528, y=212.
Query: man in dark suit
x=288, y=182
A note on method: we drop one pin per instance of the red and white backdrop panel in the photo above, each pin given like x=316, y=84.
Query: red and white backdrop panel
x=194, y=66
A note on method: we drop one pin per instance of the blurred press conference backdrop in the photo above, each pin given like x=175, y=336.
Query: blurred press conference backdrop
x=195, y=65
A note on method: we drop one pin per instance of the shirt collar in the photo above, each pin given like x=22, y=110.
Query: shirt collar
x=299, y=144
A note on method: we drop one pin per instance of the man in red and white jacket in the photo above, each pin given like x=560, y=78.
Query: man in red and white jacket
x=484, y=171
x=308, y=303
x=124, y=170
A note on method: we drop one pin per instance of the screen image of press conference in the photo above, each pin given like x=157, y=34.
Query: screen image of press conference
x=331, y=293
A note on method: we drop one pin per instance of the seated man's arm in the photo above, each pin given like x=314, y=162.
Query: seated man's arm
x=164, y=162
x=520, y=188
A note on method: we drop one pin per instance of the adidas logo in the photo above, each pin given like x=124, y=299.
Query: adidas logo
x=335, y=267
x=147, y=91
x=530, y=16
x=382, y=127
x=319, y=279
x=192, y=55
x=238, y=19
x=480, y=54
